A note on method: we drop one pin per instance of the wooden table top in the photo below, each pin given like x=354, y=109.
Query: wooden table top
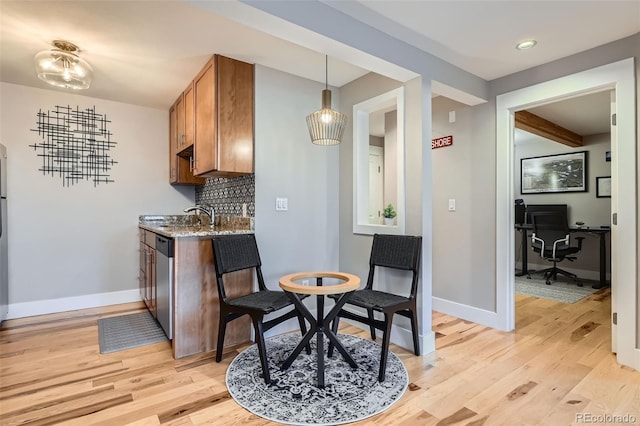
x=351, y=282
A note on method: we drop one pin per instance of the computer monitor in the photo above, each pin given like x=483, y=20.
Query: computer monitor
x=538, y=208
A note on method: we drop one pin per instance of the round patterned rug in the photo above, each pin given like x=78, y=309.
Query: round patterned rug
x=293, y=397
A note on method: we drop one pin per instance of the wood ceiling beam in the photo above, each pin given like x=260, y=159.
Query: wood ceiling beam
x=532, y=123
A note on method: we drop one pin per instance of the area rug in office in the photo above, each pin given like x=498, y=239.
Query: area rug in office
x=128, y=331
x=293, y=397
x=560, y=291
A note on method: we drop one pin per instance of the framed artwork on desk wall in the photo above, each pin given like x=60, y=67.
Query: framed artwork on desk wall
x=554, y=173
x=603, y=187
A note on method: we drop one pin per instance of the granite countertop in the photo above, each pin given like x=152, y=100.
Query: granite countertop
x=176, y=226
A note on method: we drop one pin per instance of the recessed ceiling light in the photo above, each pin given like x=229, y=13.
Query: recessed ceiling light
x=526, y=44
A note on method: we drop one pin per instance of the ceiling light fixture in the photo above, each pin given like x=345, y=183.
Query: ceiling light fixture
x=326, y=126
x=526, y=44
x=62, y=67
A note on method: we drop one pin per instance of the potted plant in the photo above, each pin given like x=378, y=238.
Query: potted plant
x=389, y=213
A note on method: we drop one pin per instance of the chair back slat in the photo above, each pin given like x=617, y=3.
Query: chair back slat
x=235, y=252
x=396, y=251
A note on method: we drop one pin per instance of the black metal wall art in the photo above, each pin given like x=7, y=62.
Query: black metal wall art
x=76, y=145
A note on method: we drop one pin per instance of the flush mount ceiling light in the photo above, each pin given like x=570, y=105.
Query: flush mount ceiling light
x=326, y=126
x=526, y=44
x=62, y=67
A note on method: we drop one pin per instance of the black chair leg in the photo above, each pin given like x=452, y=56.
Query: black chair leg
x=222, y=327
x=371, y=328
x=414, y=331
x=384, y=353
x=262, y=351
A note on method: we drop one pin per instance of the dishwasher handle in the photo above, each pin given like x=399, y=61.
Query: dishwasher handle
x=164, y=245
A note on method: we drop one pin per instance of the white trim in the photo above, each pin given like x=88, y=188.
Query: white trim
x=621, y=77
x=53, y=306
x=466, y=312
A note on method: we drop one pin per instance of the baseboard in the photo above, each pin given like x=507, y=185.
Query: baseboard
x=53, y=306
x=466, y=312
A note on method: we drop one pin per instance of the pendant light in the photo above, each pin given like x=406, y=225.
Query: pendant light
x=62, y=67
x=326, y=126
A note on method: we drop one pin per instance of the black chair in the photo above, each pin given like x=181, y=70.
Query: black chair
x=551, y=240
x=238, y=252
x=394, y=252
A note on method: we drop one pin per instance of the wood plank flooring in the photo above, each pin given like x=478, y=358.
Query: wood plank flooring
x=555, y=369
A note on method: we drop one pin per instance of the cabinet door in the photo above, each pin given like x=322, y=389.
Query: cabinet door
x=143, y=269
x=179, y=106
x=204, y=87
x=189, y=118
x=180, y=158
x=234, y=102
x=173, y=145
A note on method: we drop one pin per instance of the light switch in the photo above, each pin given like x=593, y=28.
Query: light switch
x=452, y=116
x=452, y=204
x=282, y=204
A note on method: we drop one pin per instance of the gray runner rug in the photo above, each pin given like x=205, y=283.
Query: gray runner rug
x=560, y=291
x=129, y=331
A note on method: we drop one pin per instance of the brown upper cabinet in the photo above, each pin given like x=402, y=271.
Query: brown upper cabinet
x=223, y=95
x=180, y=155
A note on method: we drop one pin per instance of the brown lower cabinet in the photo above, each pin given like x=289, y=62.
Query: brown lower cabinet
x=196, y=307
x=148, y=270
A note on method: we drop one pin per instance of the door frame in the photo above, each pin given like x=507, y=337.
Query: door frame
x=618, y=76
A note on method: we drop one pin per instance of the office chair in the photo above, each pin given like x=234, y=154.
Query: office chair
x=393, y=252
x=550, y=239
x=238, y=252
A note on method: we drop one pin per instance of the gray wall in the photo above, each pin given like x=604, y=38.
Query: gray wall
x=77, y=247
x=463, y=261
x=287, y=164
x=355, y=248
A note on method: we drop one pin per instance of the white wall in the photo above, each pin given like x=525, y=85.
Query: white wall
x=582, y=206
x=288, y=165
x=76, y=247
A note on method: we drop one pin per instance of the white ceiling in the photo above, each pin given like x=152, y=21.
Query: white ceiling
x=145, y=52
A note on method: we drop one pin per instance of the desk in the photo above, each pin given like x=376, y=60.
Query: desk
x=601, y=232
x=320, y=326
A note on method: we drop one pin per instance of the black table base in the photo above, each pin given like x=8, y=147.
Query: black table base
x=320, y=327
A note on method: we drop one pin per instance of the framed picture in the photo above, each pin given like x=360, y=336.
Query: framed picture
x=603, y=187
x=554, y=173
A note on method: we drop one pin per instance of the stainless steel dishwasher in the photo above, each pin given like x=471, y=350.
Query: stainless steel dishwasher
x=164, y=283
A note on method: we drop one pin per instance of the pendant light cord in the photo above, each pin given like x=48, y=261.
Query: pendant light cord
x=326, y=72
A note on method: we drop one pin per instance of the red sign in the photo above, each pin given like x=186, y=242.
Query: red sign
x=442, y=142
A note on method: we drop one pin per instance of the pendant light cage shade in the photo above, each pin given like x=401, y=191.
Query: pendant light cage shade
x=326, y=126
x=62, y=67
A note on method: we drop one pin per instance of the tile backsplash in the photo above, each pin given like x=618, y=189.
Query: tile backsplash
x=227, y=195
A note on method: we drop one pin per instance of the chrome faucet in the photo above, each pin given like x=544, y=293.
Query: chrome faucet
x=199, y=209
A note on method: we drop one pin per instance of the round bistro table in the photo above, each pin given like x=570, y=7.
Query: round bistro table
x=320, y=326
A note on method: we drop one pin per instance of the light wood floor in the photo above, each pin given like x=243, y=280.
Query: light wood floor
x=556, y=367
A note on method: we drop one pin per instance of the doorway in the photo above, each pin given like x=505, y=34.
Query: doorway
x=618, y=76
